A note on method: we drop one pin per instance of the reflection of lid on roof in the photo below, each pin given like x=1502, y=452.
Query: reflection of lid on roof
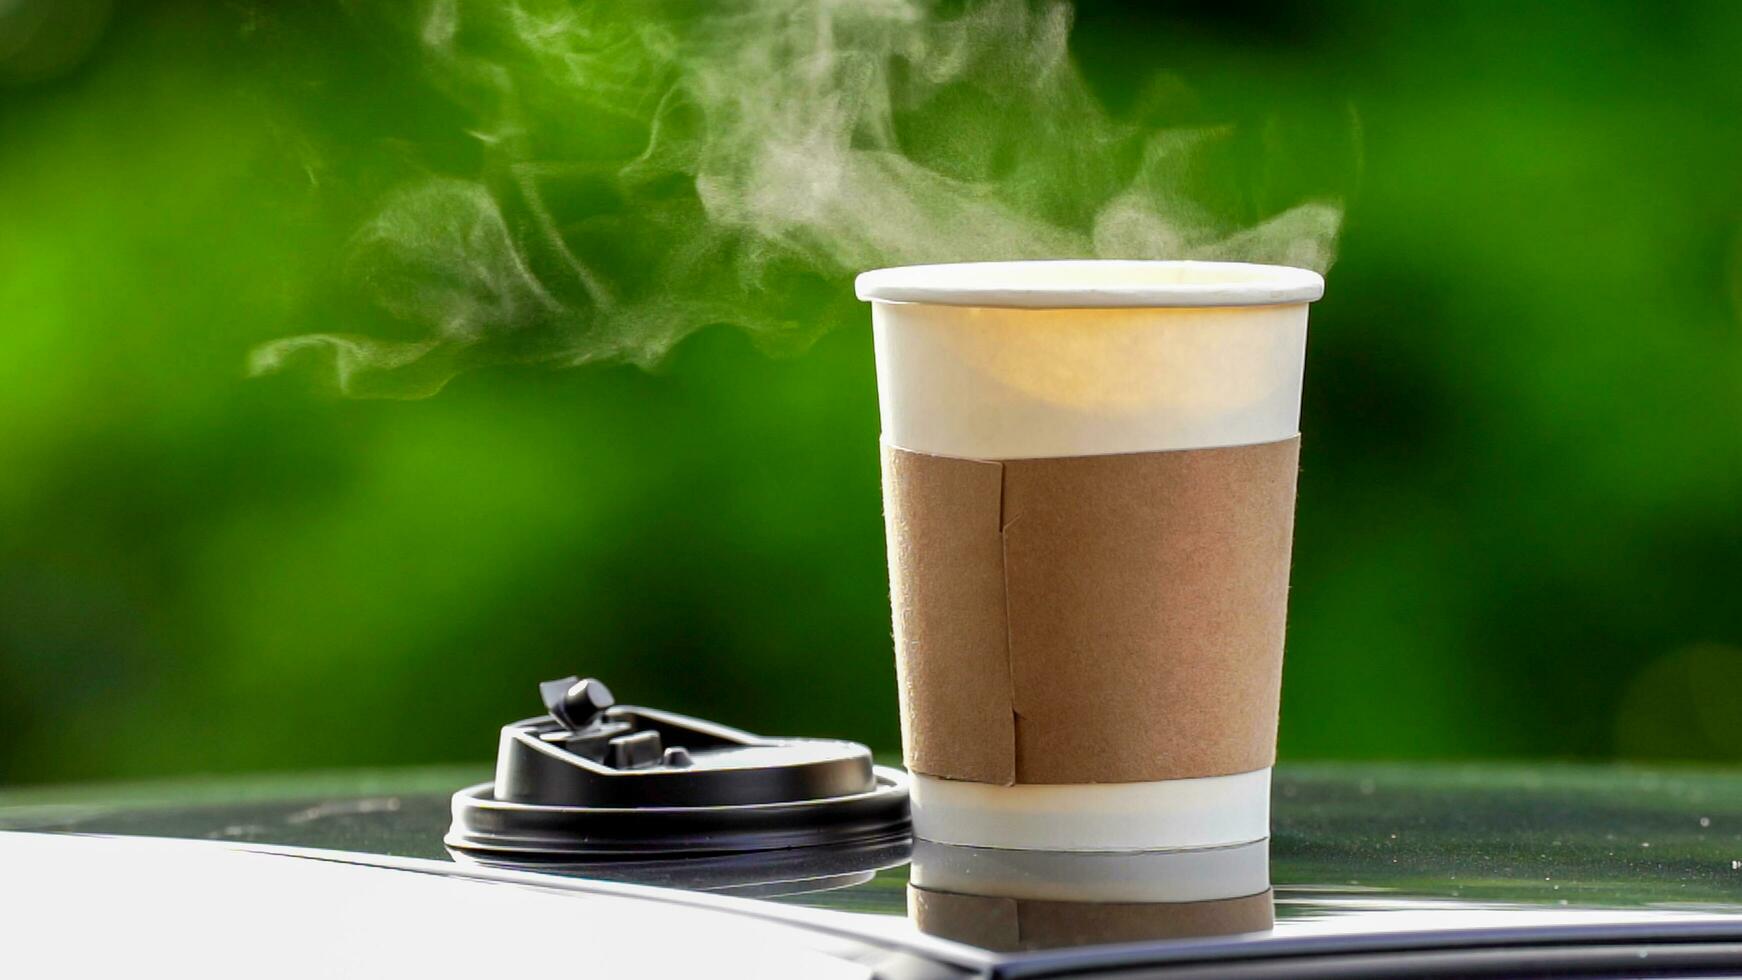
x=598, y=780
x=1092, y=284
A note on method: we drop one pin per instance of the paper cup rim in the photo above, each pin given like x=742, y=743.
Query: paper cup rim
x=1091, y=284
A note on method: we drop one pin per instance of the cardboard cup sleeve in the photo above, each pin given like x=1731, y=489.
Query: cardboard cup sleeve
x=1090, y=619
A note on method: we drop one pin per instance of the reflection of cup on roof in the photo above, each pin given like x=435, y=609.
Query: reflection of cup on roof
x=1024, y=899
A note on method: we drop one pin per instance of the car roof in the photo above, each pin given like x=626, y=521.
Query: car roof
x=1422, y=855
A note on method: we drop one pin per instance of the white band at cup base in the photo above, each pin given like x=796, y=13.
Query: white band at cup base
x=1212, y=811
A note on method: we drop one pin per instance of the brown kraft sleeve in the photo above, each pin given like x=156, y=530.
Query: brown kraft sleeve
x=1092, y=618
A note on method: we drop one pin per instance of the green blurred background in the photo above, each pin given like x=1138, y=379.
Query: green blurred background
x=1520, y=527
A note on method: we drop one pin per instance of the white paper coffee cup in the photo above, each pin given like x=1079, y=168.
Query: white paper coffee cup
x=1036, y=360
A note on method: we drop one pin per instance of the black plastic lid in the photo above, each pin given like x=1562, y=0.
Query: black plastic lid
x=594, y=780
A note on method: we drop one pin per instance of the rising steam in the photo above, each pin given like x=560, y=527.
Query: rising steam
x=651, y=169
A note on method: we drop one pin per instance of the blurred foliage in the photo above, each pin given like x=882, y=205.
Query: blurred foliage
x=1520, y=521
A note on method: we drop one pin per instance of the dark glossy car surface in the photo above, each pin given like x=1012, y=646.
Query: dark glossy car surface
x=1376, y=870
